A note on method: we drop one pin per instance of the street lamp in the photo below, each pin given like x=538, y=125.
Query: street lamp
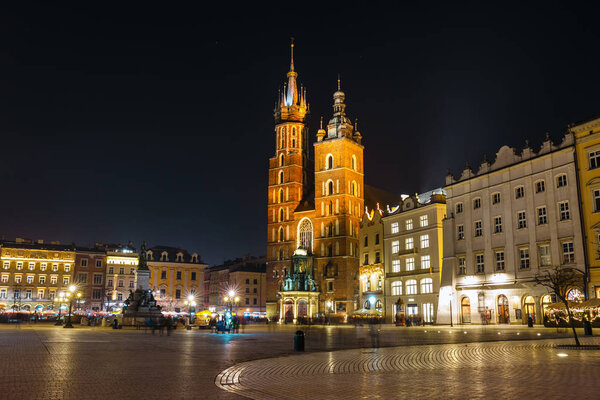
x=59, y=300
x=70, y=295
x=191, y=303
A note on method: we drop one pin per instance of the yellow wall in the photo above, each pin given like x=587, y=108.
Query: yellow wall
x=587, y=137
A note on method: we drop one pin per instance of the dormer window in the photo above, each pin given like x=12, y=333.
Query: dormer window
x=149, y=255
x=164, y=256
x=179, y=257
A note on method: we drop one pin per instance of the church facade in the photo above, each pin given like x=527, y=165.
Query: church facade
x=314, y=210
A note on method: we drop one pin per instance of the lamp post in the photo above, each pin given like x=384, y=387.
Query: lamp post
x=191, y=303
x=59, y=300
x=70, y=295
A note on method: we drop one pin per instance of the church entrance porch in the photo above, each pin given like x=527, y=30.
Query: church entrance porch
x=294, y=305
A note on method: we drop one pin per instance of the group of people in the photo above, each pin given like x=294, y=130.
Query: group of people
x=225, y=324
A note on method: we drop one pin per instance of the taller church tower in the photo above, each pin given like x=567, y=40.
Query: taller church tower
x=288, y=177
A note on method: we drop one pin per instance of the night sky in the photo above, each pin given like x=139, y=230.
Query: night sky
x=155, y=123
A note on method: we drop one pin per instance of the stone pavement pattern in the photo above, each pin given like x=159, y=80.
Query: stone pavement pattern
x=509, y=370
x=48, y=362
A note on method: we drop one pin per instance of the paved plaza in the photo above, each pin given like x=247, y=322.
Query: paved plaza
x=44, y=361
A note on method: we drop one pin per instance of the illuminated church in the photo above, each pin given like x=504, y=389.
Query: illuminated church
x=314, y=209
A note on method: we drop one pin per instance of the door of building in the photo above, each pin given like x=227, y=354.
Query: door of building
x=503, y=317
x=465, y=310
x=529, y=306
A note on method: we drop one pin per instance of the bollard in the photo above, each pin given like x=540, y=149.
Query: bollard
x=587, y=328
x=299, y=341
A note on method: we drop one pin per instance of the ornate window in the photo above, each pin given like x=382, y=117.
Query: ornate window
x=353, y=162
x=330, y=188
x=305, y=235
x=280, y=177
x=281, y=160
x=329, y=162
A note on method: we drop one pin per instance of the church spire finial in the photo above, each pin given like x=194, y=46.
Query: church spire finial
x=339, y=83
x=321, y=122
x=292, y=54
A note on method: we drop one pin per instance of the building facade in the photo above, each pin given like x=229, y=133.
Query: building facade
x=176, y=277
x=90, y=273
x=34, y=274
x=315, y=208
x=245, y=277
x=512, y=220
x=371, y=270
x=121, y=264
x=587, y=139
x=413, y=245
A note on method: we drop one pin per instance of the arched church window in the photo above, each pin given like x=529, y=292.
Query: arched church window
x=353, y=189
x=331, y=208
x=353, y=162
x=329, y=162
x=281, y=214
x=281, y=234
x=330, y=188
x=280, y=177
x=305, y=235
x=281, y=195
x=330, y=229
x=281, y=160
x=330, y=251
x=294, y=142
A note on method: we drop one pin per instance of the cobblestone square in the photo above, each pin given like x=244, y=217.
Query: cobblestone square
x=44, y=361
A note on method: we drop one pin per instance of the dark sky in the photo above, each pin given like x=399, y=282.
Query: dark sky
x=155, y=122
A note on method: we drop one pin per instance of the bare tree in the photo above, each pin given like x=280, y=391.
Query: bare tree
x=561, y=281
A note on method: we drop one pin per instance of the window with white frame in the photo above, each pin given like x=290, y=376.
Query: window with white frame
x=31, y=266
x=409, y=224
x=596, y=199
x=43, y=266
x=65, y=280
x=84, y=262
x=18, y=278
x=568, y=253
x=397, y=288
x=478, y=229
x=424, y=241
x=540, y=186
x=395, y=265
x=98, y=263
x=545, y=257
x=30, y=279
x=411, y=286
x=6, y=265
x=395, y=228
x=476, y=203
x=67, y=267
x=561, y=180
x=53, y=280
x=54, y=267
x=42, y=279
x=423, y=221
x=500, y=261
x=427, y=312
x=426, y=285
x=479, y=263
x=497, y=224
x=40, y=294
x=496, y=198
x=410, y=264
x=425, y=262
x=519, y=192
x=594, y=157
x=524, y=258
x=459, y=208
x=19, y=265
x=462, y=266
x=409, y=243
x=395, y=247
x=542, y=215
x=563, y=211
x=4, y=278
x=460, y=232
x=521, y=220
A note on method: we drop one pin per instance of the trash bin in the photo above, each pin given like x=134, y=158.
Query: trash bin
x=299, y=341
x=530, y=322
x=587, y=328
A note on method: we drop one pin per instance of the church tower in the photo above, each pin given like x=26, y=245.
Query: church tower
x=287, y=178
x=339, y=204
